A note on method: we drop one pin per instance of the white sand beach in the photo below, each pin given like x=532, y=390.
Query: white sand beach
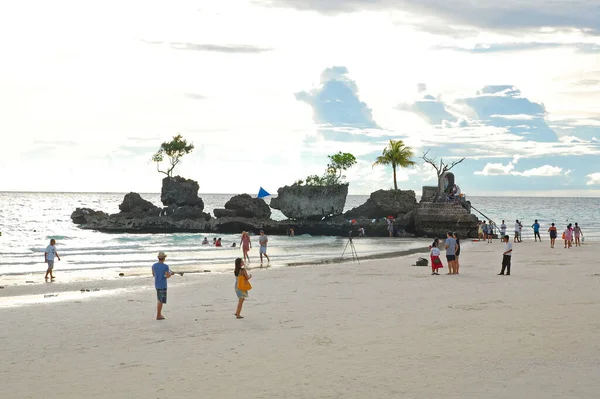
x=378, y=329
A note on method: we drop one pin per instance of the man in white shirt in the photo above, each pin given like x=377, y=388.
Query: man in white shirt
x=506, y=256
x=503, y=229
x=49, y=255
x=517, y=224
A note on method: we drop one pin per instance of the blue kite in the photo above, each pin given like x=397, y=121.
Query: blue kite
x=262, y=193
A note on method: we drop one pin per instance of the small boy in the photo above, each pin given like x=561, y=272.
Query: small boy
x=506, y=257
x=49, y=255
x=161, y=272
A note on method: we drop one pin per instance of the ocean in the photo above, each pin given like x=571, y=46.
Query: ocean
x=29, y=220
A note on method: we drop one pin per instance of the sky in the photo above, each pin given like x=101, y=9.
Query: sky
x=266, y=89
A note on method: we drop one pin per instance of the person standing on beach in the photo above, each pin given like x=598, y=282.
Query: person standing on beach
x=49, y=255
x=490, y=234
x=390, y=223
x=568, y=236
x=451, y=253
x=502, y=229
x=263, y=240
x=240, y=272
x=516, y=231
x=506, y=256
x=457, y=253
x=578, y=233
x=434, y=254
x=536, y=230
x=161, y=272
x=246, y=245
x=552, y=231
x=520, y=231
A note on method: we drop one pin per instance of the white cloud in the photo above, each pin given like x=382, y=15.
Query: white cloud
x=594, y=179
x=496, y=169
x=545, y=171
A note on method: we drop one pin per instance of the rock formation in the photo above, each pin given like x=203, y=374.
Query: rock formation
x=180, y=192
x=384, y=203
x=311, y=202
x=246, y=206
x=221, y=213
x=431, y=219
x=134, y=203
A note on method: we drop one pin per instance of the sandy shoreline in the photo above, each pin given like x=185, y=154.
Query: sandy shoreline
x=378, y=329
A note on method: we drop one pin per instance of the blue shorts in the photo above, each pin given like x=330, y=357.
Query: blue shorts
x=262, y=250
x=161, y=295
x=50, y=264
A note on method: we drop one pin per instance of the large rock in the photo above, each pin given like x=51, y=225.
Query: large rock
x=222, y=213
x=436, y=219
x=246, y=206
x=180, y=192
x=134, y=203
x=87, y=215
x=384, y=203
x=310, y=202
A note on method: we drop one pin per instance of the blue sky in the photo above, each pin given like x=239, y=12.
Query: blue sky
x=266, y=89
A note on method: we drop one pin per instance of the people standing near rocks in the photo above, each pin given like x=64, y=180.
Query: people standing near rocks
x=161, y=272
x=434, y=254
x=457, y=253
x=49, y=255
x=578, y=234
x=536, y=230
x=490, y=234
x=502, y=229
x=480, y=230
x=553, y=235
x=484, y=229
x=451, y=253
x=242, y=294
x=506, y=256
x=246, y=244
x=361, y=231
x=263, y=241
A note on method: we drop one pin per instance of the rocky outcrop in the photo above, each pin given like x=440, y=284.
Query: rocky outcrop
x=436, y=219
x=245, y=206
x=384, y=203
x=87, y=215
x=311, y=202
x=221, y=213
x=179, y=191
x=134, y=203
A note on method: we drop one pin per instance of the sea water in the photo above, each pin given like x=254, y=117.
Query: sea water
x=29, y=220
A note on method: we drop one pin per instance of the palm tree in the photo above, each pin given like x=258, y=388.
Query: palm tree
x=395, y=154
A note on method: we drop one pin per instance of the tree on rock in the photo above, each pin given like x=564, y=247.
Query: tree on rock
x=440, y=170
x=333, y=175
x=397, y=155
x=174, y=150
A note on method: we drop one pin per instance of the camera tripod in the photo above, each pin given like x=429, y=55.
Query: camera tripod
x=352, y=250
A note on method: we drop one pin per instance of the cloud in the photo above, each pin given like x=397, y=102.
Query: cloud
x=504, y=15
x=545, y=170
x=195, y=96
x=496, y=169
x=216, y=48
x=336, y=102
x=481, y=48
x=594, y=179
